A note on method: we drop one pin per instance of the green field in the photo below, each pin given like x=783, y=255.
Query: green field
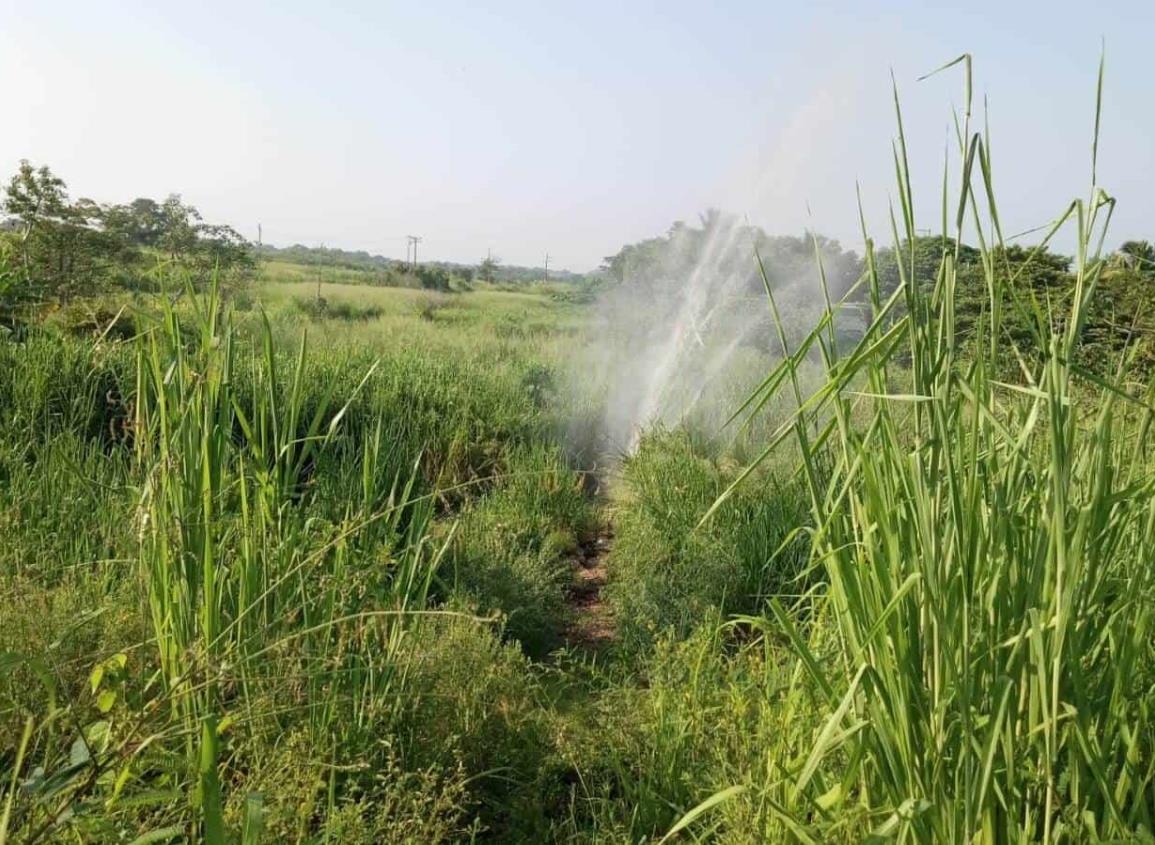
x=305, y=554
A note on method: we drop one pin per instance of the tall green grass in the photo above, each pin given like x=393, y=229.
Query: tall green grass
x=666, y=574
x=248, y=591
x=243, y=553
x=981, y=644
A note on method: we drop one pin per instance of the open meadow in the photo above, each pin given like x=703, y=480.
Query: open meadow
x=740, y=538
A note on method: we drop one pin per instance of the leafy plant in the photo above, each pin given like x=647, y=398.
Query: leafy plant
x=981, y=637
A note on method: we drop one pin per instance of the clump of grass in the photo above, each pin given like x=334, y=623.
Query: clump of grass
x=666, y=574
x=428, y=305
x=238, y=577
x=511, y=551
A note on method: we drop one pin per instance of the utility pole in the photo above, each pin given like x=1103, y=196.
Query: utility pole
x=413, y=240
x=547, y=266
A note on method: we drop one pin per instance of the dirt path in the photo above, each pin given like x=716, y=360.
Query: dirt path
x=592, y=624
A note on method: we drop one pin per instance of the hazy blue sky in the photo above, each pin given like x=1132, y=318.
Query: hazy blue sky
x=560, y=126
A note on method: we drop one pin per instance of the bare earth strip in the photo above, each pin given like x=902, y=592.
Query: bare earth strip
x=592, y=626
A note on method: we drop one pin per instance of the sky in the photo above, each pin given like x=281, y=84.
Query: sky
x=569, y=128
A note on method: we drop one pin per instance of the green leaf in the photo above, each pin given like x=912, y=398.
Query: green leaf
x=163, y=834
x=704, y=807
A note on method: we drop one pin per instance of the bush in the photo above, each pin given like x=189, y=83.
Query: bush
x=428, y=306
x=319, y=308
x=707, y=712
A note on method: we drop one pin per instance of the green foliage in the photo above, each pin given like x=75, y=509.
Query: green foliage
x=251, y=525
x=1034, y=289
x=77, y=248
x=387, y=803
x=1136, y=255
x=432, y=278
x=206, y=251
x=14, y=290
x=981, y=639
x=708, y=711
x=728, y=247
x=511, y=551
x=487, y=270
x=300, y=572
x=666, y=573
x=64, y=251
x=361, y=267
x=323, y=309
x=471, y=701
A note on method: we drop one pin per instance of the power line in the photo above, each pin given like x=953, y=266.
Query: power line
x=413, y=241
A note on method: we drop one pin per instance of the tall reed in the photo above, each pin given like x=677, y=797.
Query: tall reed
x=982, y=640
x=237, y=574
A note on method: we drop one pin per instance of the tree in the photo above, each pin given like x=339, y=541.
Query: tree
x=432, y=277
x=79, y=248
x=32, y=196
x=64, y=248
x=724, y=246
x=487, y=270
x=1138, y=256
x=927, y=255
x=204, y=249
x=140, y=222
x=12, y=287
x=178, y=227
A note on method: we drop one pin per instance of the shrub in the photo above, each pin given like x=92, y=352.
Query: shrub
x=319, y=308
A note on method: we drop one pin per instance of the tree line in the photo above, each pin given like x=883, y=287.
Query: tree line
x=55, y=248
x=490, y=269
x=1121, y=318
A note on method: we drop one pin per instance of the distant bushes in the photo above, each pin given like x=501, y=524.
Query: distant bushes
x=320, y=308
x=363, y=268
x=430, y=305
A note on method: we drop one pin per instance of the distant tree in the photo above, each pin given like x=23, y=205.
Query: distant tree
x=925, y=253
x=204, y=249
x=432, y=277
x=33, y=196
x=78, y=248
x=724, y=246
x=487, y=270
x=140, y=222
x=1122, y=316
x=64, y=248
x=178, y=227
x=1137, y=255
